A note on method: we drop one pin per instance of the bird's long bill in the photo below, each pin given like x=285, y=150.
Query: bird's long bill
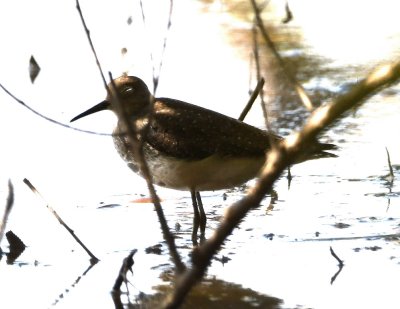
x=97, y=108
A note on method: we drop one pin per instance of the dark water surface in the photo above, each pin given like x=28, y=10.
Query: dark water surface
x=280, y=256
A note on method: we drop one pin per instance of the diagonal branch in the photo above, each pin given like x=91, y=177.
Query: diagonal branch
x=47, y=117
x=138, y=150
x=93, y=258
x=279, y=159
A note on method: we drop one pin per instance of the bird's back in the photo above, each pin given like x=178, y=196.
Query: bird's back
x=183, y=130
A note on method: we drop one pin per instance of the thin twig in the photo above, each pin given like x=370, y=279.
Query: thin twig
x=258, y=74
x=48, y=118
x=279, y=158
x=336, y=257
x=78, y=7
x=341, y=264
x=299, y=89
x=156, y=79
x=137, y=149
x=156, y=76
x=126, y=266
x=252, y=99
x=7, y=210
x=390, y=177
x=93, y=258
x=138, y=153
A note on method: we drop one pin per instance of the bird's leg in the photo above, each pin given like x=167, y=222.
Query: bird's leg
x=203, y=218
x=196, y=217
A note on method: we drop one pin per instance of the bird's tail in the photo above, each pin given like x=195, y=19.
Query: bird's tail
x=317, y=150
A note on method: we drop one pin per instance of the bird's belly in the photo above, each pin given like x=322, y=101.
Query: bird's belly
x=212, y=173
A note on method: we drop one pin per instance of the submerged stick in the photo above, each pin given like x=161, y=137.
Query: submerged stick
x=93, y=258
x=126, y=266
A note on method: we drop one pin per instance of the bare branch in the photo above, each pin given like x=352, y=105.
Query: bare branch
x=279, y=158
x=93, y=258
x=48, y=118
x=78, y=7
x=138, y=153
x=252, y=98
x=137, y=149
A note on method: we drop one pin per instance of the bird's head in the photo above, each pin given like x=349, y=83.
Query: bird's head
x=128, y=93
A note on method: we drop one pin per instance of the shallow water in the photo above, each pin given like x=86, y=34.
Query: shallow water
x=279, y=256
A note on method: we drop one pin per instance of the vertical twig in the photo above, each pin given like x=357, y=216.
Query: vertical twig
x=156, y=76
x=390, y=177
x=126, y=266
x=156, y=80
x=137, y=148
x=7, y=210
x=138, y=151
x=299, y=89
x=258, y=74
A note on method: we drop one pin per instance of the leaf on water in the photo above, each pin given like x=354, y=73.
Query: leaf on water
x=34, y=69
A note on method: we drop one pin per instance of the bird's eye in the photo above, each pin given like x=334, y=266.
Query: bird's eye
x=127, y=90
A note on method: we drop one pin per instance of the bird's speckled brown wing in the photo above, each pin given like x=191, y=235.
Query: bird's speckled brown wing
x=188, y=131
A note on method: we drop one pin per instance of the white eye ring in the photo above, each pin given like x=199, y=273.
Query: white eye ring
x=128, y=90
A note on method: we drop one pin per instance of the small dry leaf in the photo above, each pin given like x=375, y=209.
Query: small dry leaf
x=34, y=69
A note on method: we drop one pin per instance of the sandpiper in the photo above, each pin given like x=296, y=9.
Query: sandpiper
x=188, y=147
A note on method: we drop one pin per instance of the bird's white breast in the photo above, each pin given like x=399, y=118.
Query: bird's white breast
x=211, y=173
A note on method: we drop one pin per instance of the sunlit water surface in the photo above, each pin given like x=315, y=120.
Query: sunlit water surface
x=281, y=249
